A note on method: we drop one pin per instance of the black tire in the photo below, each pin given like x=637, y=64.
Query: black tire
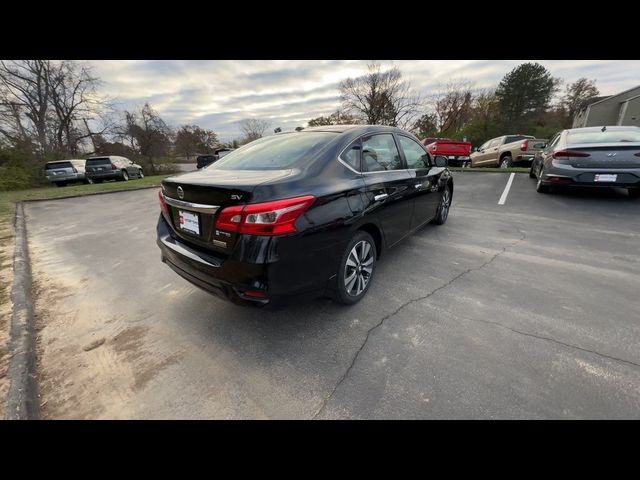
x=531, y=173
x=345, y=293
x=125, y=176
x=61, y=184
x=140, y=174
x=633, y=192
x=540, y=188
x=443, y=207
x=97, y=181
x=506, y=162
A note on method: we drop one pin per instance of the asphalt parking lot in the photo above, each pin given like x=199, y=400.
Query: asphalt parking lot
x=522, y=310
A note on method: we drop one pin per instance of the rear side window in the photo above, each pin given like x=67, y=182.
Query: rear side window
x=275, y=152
x=99, y=161
x=414, y=154
x=351, y=156
x=380, y=153
x=54, y=166
x=608, y=136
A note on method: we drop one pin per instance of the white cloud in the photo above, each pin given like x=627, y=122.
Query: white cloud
x=216, y=94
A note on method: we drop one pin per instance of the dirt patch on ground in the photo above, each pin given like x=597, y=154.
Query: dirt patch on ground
x=92, y=362
x=6, y=280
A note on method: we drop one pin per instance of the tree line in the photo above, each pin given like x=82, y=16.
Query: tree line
x=525, y=101
x=53, y=110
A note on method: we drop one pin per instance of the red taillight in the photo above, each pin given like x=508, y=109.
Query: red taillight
x=163, y=203
x=569, y=153
x=229, y=219
x=269, y=218
x=255, y=293
x=113, y=166
x=524, y=146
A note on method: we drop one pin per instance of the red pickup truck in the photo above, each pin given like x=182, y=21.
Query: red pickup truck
x=457, y=152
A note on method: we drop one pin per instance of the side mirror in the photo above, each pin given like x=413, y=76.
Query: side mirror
x=441, y=161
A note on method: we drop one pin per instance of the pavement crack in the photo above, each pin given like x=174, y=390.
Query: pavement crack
x=542, y=337
x=411, y=301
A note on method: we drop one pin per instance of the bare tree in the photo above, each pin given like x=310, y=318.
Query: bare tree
x=74, y=98
x=381, y=97
x=46, y=102
x=253, y=128
x=336, y=118
x=452, y=105
x=147, y=134
x=24, y=94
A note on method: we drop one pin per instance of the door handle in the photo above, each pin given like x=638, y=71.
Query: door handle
x=381, y=196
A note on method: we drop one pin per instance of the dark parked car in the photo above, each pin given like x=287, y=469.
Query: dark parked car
x=301, y=214
x=590, y=157
x=204, y=160
x=112, y=167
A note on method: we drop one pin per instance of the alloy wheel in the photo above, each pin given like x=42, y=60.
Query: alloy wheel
x=358, y=268
x=445, y=203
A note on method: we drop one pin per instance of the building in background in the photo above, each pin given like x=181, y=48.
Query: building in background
x=620, y=109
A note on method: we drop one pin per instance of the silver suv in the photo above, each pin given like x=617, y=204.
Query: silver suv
x=62, y=172
x=112, y=167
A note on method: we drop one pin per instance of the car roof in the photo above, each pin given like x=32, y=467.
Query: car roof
x=361, y=129
x=70, y=160
x=596, y=129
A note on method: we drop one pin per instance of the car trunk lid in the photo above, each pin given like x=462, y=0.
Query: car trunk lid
x=190, y=198
x=602, y=156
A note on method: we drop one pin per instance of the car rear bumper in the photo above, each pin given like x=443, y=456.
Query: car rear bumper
x=559, y=174
x=288, y=278
x=69, y=177
x=526, y=158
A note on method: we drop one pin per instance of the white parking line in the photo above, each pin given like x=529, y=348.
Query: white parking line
x=503, y=198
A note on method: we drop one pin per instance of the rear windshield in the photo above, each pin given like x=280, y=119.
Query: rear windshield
x=608, y=136
x=53, y=166
x=99, y=161
x=275, y=152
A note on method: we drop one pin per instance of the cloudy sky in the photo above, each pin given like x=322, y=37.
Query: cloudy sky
x=216, y=94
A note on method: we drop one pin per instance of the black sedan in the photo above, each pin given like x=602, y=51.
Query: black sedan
x=590, y=157
x=301, y=214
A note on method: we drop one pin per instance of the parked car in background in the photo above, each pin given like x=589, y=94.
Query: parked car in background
x=507, y=151
x=62, y=172
x=112, y=167
x=205, y=160
x=301, y=214
x=590, y=157
x=457, y=152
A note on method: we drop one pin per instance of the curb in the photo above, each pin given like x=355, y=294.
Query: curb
x=106, y=192
x=22, y=397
